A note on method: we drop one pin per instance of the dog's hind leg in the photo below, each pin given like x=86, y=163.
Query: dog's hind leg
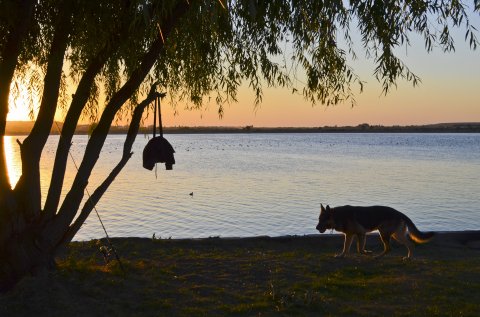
x=385, y=236
x=401, y=236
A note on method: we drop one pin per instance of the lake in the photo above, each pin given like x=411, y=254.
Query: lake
x=273, y=184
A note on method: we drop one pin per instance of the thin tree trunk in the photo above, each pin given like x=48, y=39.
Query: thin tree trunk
x=127, y=148
x=8, y=64
x=71, y=120
x=28, y=185
x=56, y=229
x=77, y=105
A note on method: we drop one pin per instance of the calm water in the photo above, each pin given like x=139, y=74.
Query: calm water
x=273, y=184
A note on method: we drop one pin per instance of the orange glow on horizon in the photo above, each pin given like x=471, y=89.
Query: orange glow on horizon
x=448, y=93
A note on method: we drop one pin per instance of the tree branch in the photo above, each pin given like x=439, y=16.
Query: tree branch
x=41, y=129
x=31, y=150
x=77, y=105
x=55, y=230
x=127, y=148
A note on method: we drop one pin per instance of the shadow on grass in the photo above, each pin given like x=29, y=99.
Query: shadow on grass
x=291, y=276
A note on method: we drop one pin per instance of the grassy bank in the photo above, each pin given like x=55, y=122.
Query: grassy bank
x=289, y=276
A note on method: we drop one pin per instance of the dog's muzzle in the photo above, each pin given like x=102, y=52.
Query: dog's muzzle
x=321, y=228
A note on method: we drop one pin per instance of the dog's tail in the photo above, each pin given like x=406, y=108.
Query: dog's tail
x=417, y=235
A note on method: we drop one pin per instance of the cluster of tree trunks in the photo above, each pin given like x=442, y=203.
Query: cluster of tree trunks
x=31, y=235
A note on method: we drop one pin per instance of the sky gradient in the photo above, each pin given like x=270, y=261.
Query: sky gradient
x=449, y=92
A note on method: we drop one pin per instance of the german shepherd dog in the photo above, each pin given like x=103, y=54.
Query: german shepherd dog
x=357, y=221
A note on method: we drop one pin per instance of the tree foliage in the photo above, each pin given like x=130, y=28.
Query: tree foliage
x=303, y=45
x=192, y=49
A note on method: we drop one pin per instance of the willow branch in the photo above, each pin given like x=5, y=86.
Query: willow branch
x=94, y=146
x=31, y=150
x=127, y=148
x=41, y=129
x=77, y=105
x=54, y=231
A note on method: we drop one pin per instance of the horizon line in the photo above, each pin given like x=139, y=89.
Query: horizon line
x=364, y=124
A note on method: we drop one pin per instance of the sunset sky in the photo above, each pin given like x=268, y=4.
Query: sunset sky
x=449, y=92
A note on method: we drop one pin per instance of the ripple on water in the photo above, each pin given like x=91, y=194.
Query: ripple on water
x=273, y=184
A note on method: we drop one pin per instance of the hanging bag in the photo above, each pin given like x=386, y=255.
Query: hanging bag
x=158, y=149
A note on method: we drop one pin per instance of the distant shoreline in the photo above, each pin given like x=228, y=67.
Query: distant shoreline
x=24, y=127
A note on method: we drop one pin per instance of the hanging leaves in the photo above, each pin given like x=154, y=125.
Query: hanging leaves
x=305, y=45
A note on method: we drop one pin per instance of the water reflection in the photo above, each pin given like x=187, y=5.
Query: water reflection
x=12, y=156
x=272, y=184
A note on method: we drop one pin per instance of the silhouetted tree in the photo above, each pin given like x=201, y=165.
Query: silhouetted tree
x=191, y=49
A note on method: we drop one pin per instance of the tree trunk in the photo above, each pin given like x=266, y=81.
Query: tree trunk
x=23, y=254
x=29, y=238
x=8, y=63
x=8, y=202
x=71, y=120
x=31, y=149
x=20, y=249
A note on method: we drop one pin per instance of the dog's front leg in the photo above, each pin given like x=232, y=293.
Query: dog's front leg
x=346, y=245
x=361, y=240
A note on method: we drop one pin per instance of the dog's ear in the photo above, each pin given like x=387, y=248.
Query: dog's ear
x=328, y=208
x=322, y=208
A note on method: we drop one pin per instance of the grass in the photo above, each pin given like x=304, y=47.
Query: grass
x=289, y=276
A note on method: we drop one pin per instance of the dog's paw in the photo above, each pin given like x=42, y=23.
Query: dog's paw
x=339, y=256
x=367, y=252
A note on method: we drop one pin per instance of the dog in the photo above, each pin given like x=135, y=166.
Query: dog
x=357, y=221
